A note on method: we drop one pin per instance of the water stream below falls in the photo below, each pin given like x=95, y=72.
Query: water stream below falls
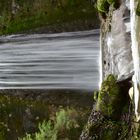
x=50, y=61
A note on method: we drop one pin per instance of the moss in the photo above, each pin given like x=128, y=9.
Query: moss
x=138, y=9
x=111, y=1
x=95, y=95
x=108, y=99
x=111, y=118
x=103, y=5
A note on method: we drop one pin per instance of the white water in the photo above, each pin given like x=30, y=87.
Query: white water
x=50, y=61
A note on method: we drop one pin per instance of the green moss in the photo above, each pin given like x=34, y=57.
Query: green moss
x=95, y=95
x=138, y=10
x=103, y=5
x=110, y=119
x=108, y=99
x=111, y=1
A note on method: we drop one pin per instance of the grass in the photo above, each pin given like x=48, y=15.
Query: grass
x=31, y=15
x=15, y=113
x=59, y=128
x=19, y=117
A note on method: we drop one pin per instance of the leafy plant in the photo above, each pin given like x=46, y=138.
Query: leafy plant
x=53, y=129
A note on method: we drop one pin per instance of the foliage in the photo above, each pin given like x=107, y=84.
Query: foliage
x=103, y=5
x=51, y=130
x=21, y=115
x=15, y=113
x=32, y=14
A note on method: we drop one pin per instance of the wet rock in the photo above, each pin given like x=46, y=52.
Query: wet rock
x=116, y=44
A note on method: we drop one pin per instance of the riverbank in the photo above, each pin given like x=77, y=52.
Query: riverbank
x=80, y=25
x=47, y=16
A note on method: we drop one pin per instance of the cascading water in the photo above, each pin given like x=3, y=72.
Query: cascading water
x=50, y=61
x=135, y=36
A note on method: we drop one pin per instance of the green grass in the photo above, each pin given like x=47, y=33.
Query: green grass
x=31, y=15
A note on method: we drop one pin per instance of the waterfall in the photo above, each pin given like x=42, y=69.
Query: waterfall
x=67, y=61
x=135, y=35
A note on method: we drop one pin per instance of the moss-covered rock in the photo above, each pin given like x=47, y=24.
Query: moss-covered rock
x=109, y=99
x=103, y=5
x=138, y=9
x=101, y=128
x=110, y=118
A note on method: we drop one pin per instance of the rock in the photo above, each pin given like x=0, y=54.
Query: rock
x=110, y=119
x=109, y=98
x=116, y=45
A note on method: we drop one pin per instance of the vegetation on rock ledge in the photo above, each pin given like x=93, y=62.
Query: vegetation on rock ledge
x=138, y=9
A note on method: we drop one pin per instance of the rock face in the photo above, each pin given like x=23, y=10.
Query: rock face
x=135, y=36
x=116, y=45
x=109, y=99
